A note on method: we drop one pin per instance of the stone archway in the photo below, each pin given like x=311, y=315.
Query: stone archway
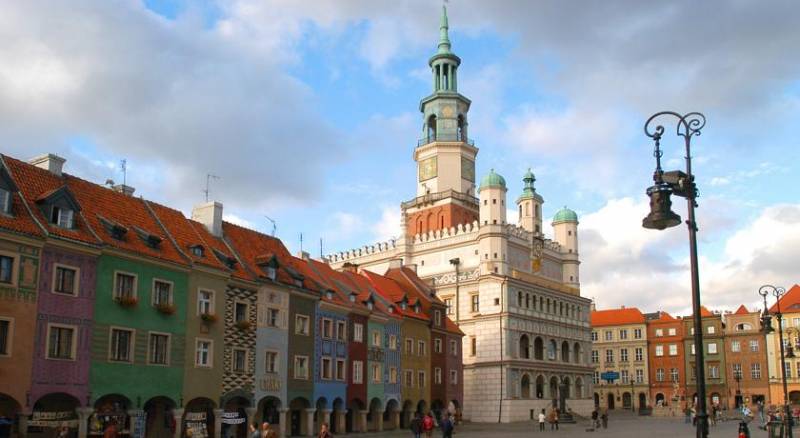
x=524, y=347
x=353, y=418
x=407, y=414
x=65, y=405
x=199, y=417
x=299, y=417
x=540, y=386
x=9, y=408
x=159, y=418
x=391, y=415
x=338, y=416
x=525, y=386
x=565, y=351
x=110, y=408
x=610, y=401
x=538, y=348
x=554, y=388
x=375, y=416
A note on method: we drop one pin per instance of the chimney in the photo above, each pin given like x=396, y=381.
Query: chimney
x=350, y=267
x=125, y=190
x=50, y=162
x=304, y=255
x=396, y=263
x=592, y=307
x=210, y=215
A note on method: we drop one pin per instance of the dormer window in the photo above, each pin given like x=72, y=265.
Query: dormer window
x=7, y=189
x=5, y=201
x=116, y=229
x=416, y=308
x=352, y=298
x=226, y=260
x=61, y=216
x=197, y=250
x=150, y=239
x=329, y=294
x=271, y=272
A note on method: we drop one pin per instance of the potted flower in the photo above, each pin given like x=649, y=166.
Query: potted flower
x=208, y=318
x=127, y=301
x=166, y=308
x=243, y=325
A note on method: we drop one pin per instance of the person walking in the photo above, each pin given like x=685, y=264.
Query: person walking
x=416, y=425
x=595, y=419
x=267, y=431
x=323, y=431
x=253, y=431
x=542, y=418
x=427, y=425
x=555, y=417
x=447, y=426
x=604, y=417
x=111, y=430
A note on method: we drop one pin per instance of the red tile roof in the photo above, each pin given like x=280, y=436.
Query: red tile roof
x=663, y=317
x=790, y=301
x=741, y=310
x=253, y=249
x=420, y=290
x=629, y=315
x=393, y=292
x=35, y=184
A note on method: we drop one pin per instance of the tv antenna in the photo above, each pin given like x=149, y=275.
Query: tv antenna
x=123, y=165
x=274, y=225
x=209, y=177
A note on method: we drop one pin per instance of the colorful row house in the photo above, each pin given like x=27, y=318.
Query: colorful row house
x=116, y=311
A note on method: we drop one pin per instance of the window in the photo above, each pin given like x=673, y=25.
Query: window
x=421, y=379
x=301, y=324
x=610, y=356
x=594, y=336
x=6, y=334
x=659, y=350
x=623, y=334
x=341, y=331
x=712, y=348
x=639, y=375
x=673, y=349
x=713, y=371
x=623, y=355
x=437, y=376
x=409, y=378
x=239, y=360
x=202, y=354
x=637, y=333
x=421, y=350
x=672, y=332
x=476, y=305
x=393, y=342
x=453, y=377
x=710, y=329
x=327, y=328
x=162, y=292
x=65, y=280
x=596, y=377
x=61, y=341
x=341, y=366
x=158, y=349
x=609, y=335
x=197, y=250
x=673, y=374
x=121, y=345
x=377, y=373
x=124, y=285
x=271, y=362
x=272, y=317
x=624, y=376
x=5, y=201
x=736, y=346
x=448, y=304
x=595, y=357
x=62, y=217
x=301, y=367
x=693, y=350
x=754, y=346
x=392, y=375
x=358, y=332
x=6, y=269
x=358, y=371
x=409, y=345
x=437, y=345
x=755, y=371
x=638, y=354
x=453, y=348
x=437, y=317
x=376, y=338
x=326, y=369
x=737, y=370
x=659, y=333
x=205, y=302
x=660, y=375
x=240, y=312
x=473, y=347
x=788, y=367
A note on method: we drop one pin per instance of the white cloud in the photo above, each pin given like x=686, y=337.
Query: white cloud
x=720, y=181
x=388, y=226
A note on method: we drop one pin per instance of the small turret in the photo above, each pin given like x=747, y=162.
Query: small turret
x=493, y=242
x=492, y=193
x=529, y=204
x=565, y=228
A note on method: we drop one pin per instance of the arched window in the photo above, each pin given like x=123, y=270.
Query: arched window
x=462, y=129
x=526, y=386
x=578, y=387
x=538, y=349
x=576, y=353
x=524, y=347
x=540, y=387
x=565, y=351
x=432, y=128
x=551, y=350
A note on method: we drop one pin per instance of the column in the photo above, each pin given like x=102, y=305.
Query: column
x=378, y=421
x=326, y=418
x=133, y=414
x=310, y=422
x=23, y=425
x=251, y=417
x=396, y=418
x=178, y=415
x=218, y=423
x=341, y=418
x=282, y=419
x=363, y=418
x=83, y=418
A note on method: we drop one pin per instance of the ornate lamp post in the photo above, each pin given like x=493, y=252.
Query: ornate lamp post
x=766, y=324
x=661, y=217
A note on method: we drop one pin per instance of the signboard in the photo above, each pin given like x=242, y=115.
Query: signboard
x=53, y=419
x=197, y=422
x=138, y=422
x=232, y=418
x=611, y=376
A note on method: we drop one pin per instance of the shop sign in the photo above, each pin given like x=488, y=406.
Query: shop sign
x=197, y=422
x=269, y=383
x=53, y=419
x=232, y=418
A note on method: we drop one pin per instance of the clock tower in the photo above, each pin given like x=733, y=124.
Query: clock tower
x=445, y=155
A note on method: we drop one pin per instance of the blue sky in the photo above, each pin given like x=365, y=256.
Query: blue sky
x=308, y=112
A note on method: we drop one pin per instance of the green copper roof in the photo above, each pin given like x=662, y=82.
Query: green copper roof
x=528, y=191
x=565, y=215
x=444, y=39
x=492, y=180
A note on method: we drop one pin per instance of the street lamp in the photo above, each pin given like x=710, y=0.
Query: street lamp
x=766, y=324
x=661, y=217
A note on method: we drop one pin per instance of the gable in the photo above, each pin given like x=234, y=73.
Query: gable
x=6, y=182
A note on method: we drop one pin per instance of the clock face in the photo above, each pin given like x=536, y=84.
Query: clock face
x=448, y=111
x=427, y=169
x=467, y=169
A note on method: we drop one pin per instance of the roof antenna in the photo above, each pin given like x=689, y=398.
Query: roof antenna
x=209, y=177
x=321, y=257
x=274, y=225
x=301, y=243
x=123, y=165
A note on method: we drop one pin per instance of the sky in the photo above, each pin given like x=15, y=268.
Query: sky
x=307, y=113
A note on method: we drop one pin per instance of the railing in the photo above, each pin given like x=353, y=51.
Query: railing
x=433, y=197
x=445, y=137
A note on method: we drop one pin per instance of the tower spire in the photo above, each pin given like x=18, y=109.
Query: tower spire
x=444, y=39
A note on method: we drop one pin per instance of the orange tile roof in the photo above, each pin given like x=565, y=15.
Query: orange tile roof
x=393, y=292
x=790, y=301
x=421, y=291
x=663, y=317
x=19, y=221
x=741, y=310
x=629, y=315
x=35, y=184
x=253, y=248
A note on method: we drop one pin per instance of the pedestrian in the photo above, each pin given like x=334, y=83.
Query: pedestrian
x=595, y=419
x=447, y=426
x=254, y=431
x=323, y=431
x=111, y=430
x=267, y=431
x=416, y=425
x=542, y=417
x=713, y=415
x=555, y=417
x=427, y=425
x=63, y=431
x=604, y=417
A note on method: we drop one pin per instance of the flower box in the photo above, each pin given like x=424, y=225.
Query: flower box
x=243, y=325
x=166, y=308
x=127, y=302
x=209, y=318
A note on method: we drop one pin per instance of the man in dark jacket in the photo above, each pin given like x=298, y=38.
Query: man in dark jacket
x=416, y=425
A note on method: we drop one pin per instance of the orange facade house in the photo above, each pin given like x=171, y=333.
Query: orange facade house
x=666, y=352
x=746, y=353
